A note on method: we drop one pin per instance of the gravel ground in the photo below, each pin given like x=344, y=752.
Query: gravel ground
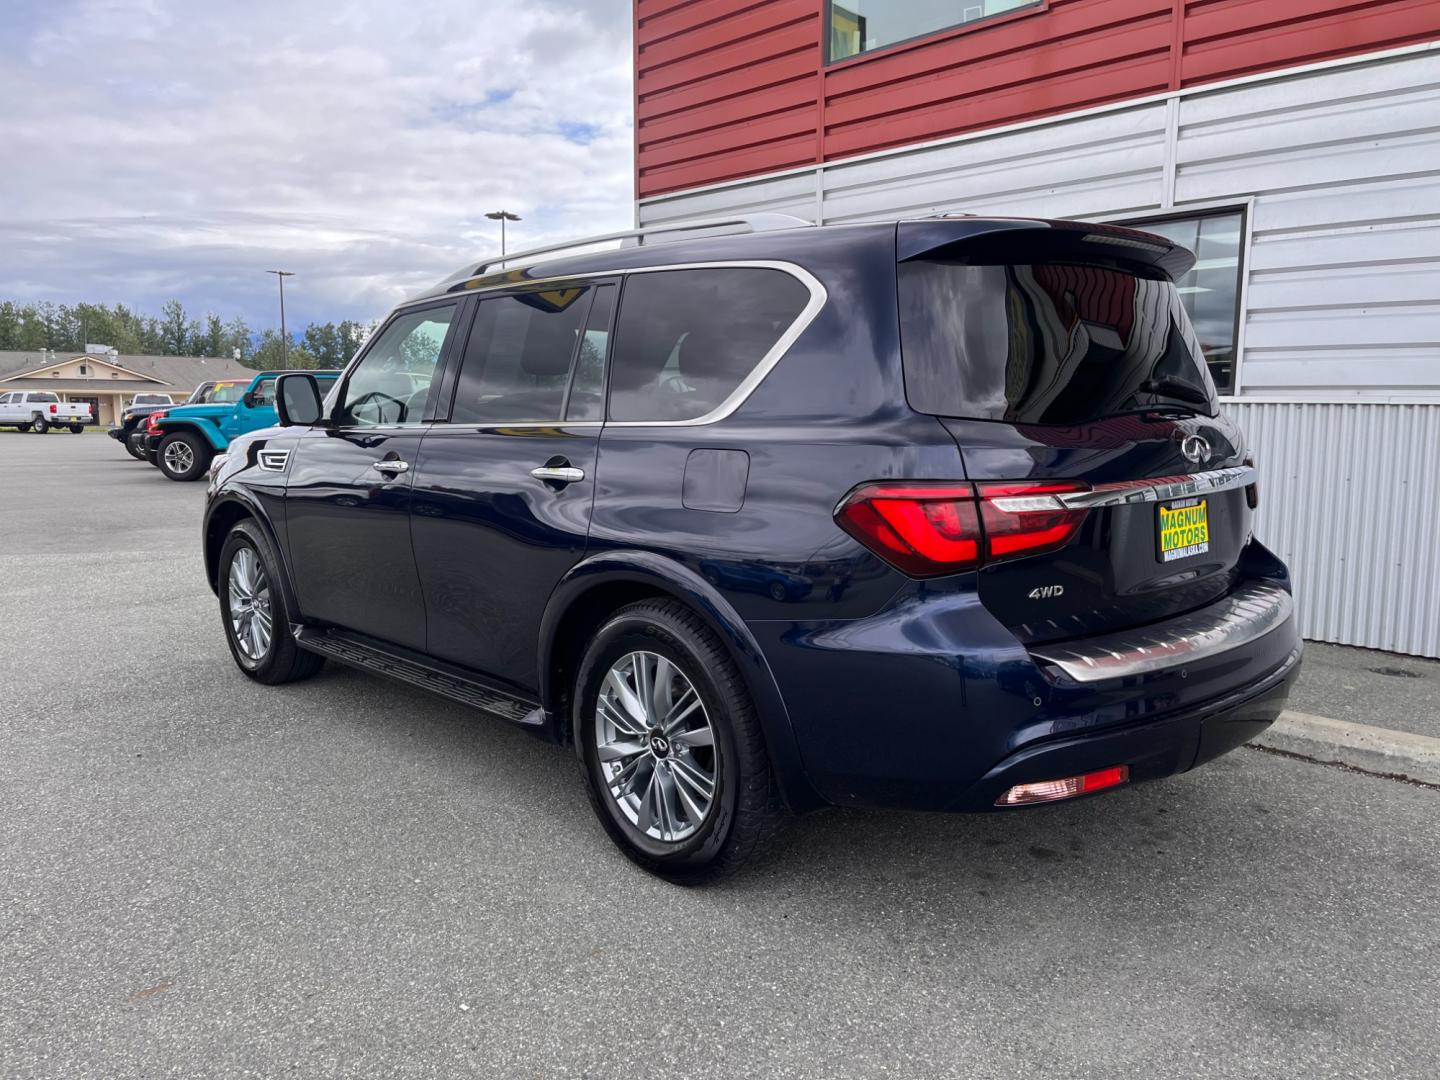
x=204, y=877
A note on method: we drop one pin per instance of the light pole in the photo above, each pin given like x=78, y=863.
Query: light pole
x=502, y=216
x=281, y=275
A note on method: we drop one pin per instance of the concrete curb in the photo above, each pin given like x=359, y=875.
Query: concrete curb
x=1359, y=746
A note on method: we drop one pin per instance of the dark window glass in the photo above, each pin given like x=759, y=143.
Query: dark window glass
x=1211, y=291
x=392, y=382
x=587, y=392
x=858, y=26
x=517, y=362
x=1045, y=343
x=686, y=339
x=47, y=397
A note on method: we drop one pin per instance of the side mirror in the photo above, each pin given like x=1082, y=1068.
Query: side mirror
x=247, y=399
x=297, y=400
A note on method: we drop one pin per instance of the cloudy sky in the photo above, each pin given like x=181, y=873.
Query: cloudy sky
x=159, y=148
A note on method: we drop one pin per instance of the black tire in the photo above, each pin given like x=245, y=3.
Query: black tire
x=40, y=425
x=284, y=661
x=22, y=428
x=173, y=465
x=132, y=449
x=746, y=808
x=77, y=429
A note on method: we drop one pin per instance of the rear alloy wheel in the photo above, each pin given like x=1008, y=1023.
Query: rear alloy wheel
x=252, y=608
x=670, y=746
x=40, y=425
x=183, y=456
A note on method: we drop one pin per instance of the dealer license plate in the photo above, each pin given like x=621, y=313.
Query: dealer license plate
x=1184, y=529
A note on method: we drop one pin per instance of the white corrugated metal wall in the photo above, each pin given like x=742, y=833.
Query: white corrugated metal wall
x=1339, y=166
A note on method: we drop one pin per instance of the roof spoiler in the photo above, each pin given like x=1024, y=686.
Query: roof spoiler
x=1023, y=239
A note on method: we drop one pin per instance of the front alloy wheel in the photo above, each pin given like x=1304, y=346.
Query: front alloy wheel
x=249, y=591
x=655, y=746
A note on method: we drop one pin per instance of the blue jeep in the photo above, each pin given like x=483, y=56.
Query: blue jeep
x=181, y=441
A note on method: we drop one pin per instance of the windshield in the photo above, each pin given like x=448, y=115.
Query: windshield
x=1046, y=343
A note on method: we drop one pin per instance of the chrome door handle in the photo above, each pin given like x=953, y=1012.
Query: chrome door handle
x=392, y=466
x=559, y=474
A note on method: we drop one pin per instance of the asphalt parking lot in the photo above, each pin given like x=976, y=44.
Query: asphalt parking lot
x=204, y=877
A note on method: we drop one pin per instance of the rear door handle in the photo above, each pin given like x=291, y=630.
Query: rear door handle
x=391, y=466
x=558, y=474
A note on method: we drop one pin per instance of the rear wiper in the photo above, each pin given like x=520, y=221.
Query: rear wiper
x=1171, y=386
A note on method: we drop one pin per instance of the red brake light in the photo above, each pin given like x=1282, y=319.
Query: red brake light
x=926, y=530
x=54, y=408
x=1068, y=788
x=920, y=529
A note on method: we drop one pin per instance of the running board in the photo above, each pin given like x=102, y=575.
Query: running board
x=432, y=675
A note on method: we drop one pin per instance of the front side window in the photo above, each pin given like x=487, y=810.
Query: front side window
x=858, y=26
x=264, y=393
x=391, y=384
x=686, y=339
x=1211, y=291
x=518, y=357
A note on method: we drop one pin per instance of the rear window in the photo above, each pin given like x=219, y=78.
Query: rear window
x=686, y=339
x=43, y=397
x=1045, y=343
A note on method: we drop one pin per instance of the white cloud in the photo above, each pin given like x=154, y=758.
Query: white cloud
x=159, y=148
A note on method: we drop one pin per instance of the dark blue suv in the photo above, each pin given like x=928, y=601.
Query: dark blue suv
x=939, y=514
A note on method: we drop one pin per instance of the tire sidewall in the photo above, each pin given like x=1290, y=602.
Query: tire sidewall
x=40, y=425
x=632, y=632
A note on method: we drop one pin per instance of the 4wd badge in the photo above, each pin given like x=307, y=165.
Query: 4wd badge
x=1047, y=592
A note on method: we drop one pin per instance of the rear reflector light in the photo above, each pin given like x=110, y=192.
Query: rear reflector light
x=926, y=530
x=1068, y=788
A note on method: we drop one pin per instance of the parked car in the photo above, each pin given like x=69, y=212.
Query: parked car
x=39, y=411
x=181, y=441
x=130, y=432
x=989, y=447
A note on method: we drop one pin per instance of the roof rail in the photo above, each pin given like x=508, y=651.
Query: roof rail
x=742, y=223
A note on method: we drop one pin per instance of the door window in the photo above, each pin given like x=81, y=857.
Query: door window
x=391, y=384
x=686, y=339
x=517, y=361
x=263, y=394
x=587, y=389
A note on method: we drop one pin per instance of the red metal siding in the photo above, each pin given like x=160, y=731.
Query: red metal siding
x=732, y=88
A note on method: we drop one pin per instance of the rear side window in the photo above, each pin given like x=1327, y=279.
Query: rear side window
x=1046, y=343
x=686, y=339
x=517, y=361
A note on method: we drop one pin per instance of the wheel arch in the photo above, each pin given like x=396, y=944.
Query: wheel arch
x=607, y=581
x=207, y=430
x=221, y=516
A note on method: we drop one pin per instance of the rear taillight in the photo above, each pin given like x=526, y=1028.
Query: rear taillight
x=926, y=530
x=54, y=408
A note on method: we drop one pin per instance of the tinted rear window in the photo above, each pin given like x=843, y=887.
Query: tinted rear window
x=43, y=397
x=1044, y=343
x=686, y=339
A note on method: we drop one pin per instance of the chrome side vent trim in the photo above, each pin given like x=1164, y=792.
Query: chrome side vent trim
x=1247, y=614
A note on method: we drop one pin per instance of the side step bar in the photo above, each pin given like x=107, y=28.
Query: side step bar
x=432, y=675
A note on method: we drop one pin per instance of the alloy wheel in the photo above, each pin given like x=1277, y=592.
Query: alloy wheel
x=656, y=746
x=249, y=589
x=179, y=457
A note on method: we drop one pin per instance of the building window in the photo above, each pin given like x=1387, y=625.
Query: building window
x=859, y=26
x=84, y=370
x=1211, y=291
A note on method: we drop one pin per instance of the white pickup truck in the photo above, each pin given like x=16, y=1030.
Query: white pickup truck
x=39, y=411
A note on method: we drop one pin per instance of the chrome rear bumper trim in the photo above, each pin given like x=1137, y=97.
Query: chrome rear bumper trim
x=1245, y=615
x=1160, y=488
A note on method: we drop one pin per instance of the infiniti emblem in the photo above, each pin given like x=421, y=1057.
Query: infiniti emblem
x=659, y=745
x=1196, y=448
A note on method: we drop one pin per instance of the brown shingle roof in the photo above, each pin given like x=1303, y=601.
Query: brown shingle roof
x=181, y=372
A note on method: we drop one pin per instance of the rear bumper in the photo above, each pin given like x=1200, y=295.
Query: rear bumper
x=1160, y=748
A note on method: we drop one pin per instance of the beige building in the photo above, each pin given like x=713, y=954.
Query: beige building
x=108, y=380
